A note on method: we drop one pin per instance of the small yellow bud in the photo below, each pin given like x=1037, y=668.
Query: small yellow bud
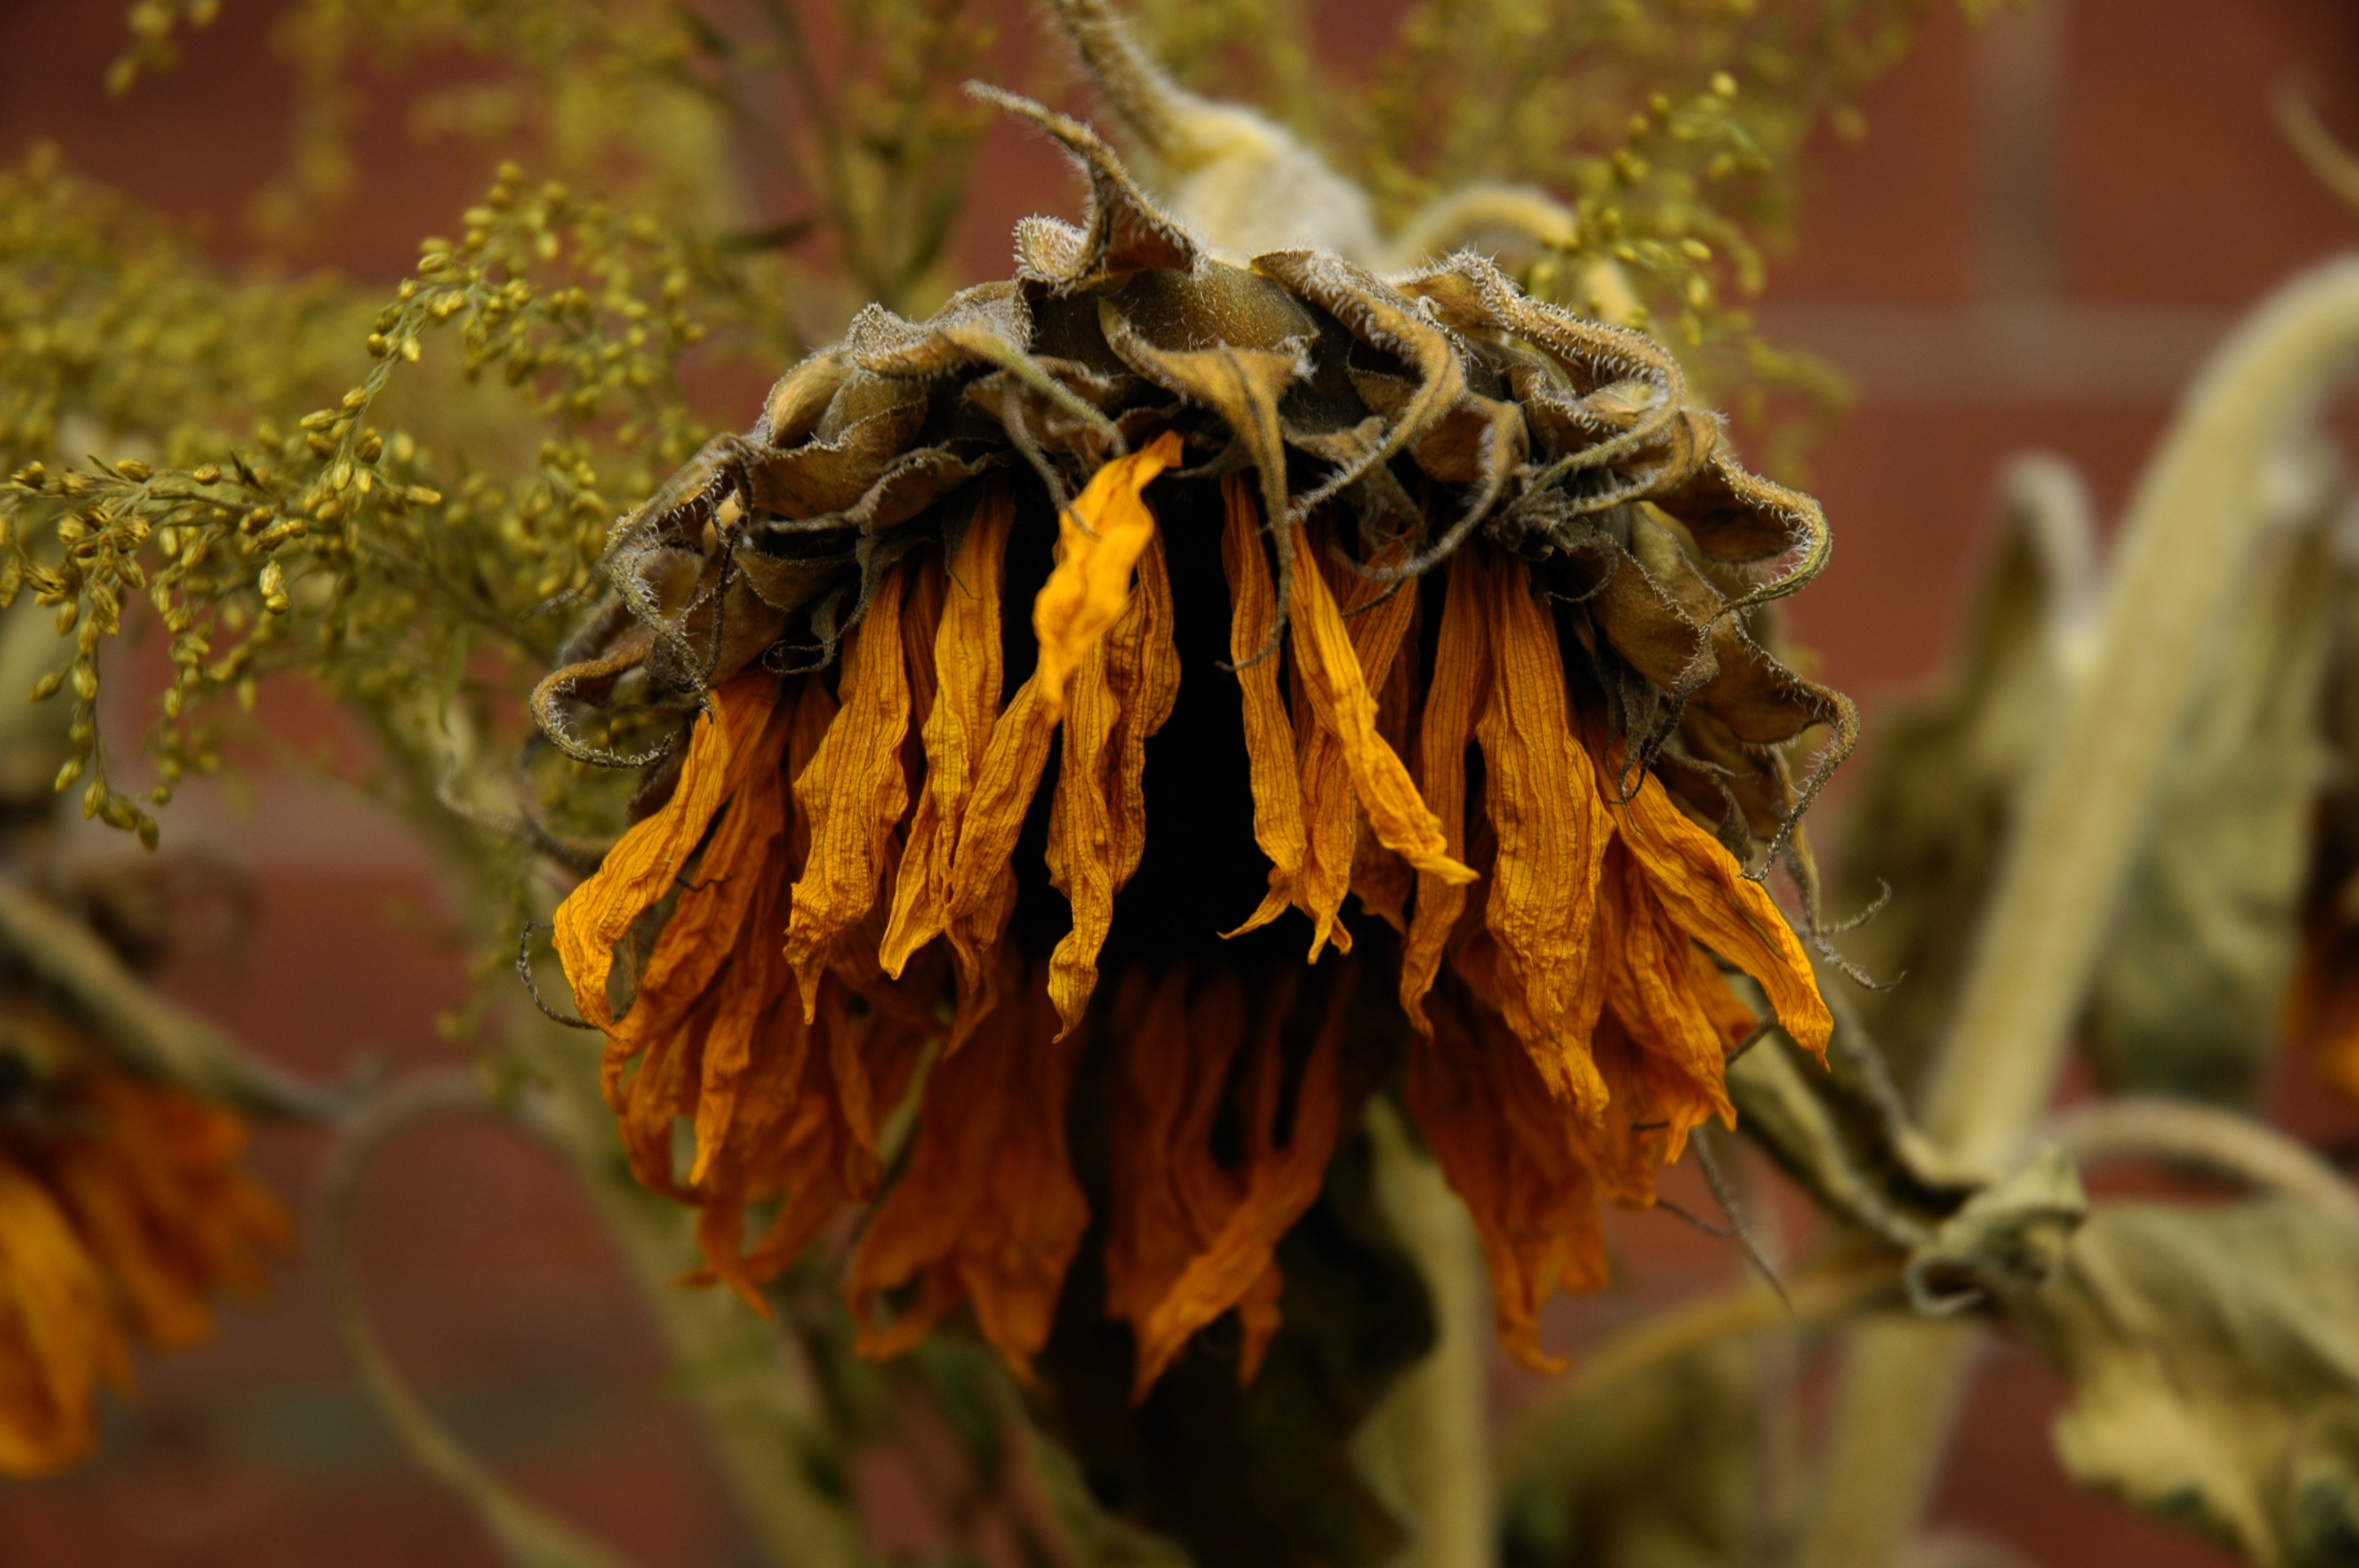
x=69, y=772
x=133, y=470
x=206, y=474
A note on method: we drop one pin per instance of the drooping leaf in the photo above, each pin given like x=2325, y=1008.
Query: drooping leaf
x=2213, y=1355
x=1933, y=812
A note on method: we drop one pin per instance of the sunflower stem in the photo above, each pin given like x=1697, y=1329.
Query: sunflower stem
x=2199, y=510
x=1427, y=1449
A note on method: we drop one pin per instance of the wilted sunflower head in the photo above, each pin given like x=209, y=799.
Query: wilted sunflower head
x=124, y=1208
x=1415, y=592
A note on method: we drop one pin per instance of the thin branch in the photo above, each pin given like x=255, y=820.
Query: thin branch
x=531, y=1537
x=2235, y=1146
x=153, y=1034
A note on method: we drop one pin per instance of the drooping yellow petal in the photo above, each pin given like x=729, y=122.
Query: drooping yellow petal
x=982, y=876
x=1540, y=792
x=1708, y=895
x=968, y=672
x=748, y=1031
x=988, y=1210
x=853, y=791
x=1381, y=879
x=644, y=863
x=1269, y=733
x=1102, y=537
x=1279, y=1184
x=1337, y=686
x=1099, y=539
x=1461, y=689
x=1515, y=1156
x=1350, y=772
x=1121, y=695
x=1655, y=991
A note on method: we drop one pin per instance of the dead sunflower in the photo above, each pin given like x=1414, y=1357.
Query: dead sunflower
x=122, y=1209
x=1416, y=592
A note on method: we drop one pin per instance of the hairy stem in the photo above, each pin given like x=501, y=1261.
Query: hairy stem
x=2196, y=516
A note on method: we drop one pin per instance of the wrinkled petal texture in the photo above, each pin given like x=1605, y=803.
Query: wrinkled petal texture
x=1122, y=694
x=1461, y=681
x=645, y=862
x=1705, y=893
x=1516, y=1157
x=1192, y=1238
x=853, y=791
x=1542, y=794
x=988, y=1211
x=1276, y=780
x=1336, y=679
x=1099, y=539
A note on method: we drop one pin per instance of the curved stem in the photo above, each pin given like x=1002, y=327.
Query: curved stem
x=2235, y=1146
x=758, y=1399
x=2198, y=512
x=530, y=1538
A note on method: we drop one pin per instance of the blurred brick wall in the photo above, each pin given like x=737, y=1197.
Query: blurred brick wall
x=2047, y=226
